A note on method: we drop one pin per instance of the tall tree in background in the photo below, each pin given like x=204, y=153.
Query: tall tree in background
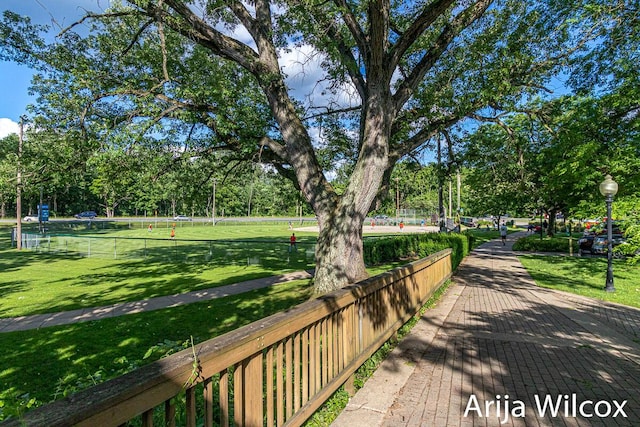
x=210, y=75
x=555, y=156
x=500, y=176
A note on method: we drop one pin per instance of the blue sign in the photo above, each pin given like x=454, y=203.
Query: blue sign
x=44, y=212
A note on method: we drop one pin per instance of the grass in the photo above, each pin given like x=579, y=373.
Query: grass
x=560, y=242
x=586, y=277
x=50, y=362
x=482, y=235
x=202, y=257
x=41, y=283
x=37, y=366
x=33, y=283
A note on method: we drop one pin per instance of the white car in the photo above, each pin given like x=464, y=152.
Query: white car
x=181, y=218
x=30, y=218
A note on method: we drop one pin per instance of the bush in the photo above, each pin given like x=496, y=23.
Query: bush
x=630, y=249
x=548, y=244
x=386, y=249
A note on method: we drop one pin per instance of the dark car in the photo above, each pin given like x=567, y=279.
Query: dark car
x=600, y=244
x=86, y=215
x=585, y=243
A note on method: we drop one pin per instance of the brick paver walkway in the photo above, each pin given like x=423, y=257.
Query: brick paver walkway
x=499, y=338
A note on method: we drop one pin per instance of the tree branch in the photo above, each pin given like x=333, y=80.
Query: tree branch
x=429, y=14
x=448, y=34
x=196, y=29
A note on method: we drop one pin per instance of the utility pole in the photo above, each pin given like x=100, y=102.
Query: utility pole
x=19, y=189
x=40, y=220
x=441, y=216
x=213, y=210
x=459, y=186
x=451, y=199
x=397, y=200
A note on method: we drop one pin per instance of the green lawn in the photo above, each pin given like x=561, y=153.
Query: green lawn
x=45, y=364
x=49, y=362
x=586, y=276
x=131, y=264
x=32, y=282
x=482, y=235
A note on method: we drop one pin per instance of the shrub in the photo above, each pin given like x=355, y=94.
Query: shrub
x=535, y=244
x=381, y=250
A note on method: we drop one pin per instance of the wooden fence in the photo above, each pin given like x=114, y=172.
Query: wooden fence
x=274, y=372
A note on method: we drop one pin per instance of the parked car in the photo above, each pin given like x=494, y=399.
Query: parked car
x=30, y=218
x=585, y=243
x=468, y=221
x=600, y=244
x=181, y=218
x=381, y=219
x=86, y=215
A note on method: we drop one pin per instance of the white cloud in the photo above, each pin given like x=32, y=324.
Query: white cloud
x=308, y=80
x=7, y=127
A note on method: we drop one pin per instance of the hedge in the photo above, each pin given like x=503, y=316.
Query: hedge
x=393, y=248
x=533, y=243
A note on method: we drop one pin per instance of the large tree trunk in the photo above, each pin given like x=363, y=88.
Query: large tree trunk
x=339, y=256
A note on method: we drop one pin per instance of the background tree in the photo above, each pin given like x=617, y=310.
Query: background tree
x=8, y=154
x=555, y=156
x=500, y=178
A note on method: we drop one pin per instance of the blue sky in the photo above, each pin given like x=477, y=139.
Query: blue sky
x=304, y=75
x=15, y=79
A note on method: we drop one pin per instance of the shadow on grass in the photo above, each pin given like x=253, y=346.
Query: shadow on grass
x=36, y=361
x=576, y=273
x=166, y=268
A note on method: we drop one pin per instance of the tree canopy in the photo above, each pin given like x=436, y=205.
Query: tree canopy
x=211, y=76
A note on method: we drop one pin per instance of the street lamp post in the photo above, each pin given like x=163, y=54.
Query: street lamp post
x=609, y=188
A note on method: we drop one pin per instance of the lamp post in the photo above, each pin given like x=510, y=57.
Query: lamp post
x=609, y=188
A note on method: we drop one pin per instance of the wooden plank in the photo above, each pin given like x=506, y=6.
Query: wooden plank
x=288, y=384
x=270, y=387
x=224, y=398
x=169, y=413
x=253, y=407
x=238, y=395
x=191, y=406
x=305, y=364
x=147, y=418
x=324, y=346
x=208, y=402
x=297, y=361
x=317, y=365
x=280, y=384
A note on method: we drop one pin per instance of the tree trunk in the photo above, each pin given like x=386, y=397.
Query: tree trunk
x=552, y=222
x=339, y=255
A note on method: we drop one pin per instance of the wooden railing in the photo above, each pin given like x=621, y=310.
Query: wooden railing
x=274, y=372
